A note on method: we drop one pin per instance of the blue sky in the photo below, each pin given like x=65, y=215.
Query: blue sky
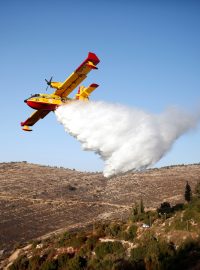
x=150, y=59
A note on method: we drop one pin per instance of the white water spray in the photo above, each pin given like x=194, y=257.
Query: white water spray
x=126, y=139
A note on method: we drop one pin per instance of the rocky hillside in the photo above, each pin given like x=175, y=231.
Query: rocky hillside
x=36, y=200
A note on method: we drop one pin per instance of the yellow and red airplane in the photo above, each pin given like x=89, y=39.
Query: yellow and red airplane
x=45, y=103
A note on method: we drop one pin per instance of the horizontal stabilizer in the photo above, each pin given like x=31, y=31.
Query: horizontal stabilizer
x=84, y=92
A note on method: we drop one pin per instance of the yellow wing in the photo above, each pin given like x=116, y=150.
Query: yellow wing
x=65, y=88
x=37, y=115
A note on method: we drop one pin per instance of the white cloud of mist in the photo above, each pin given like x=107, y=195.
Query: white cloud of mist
x=126, y=138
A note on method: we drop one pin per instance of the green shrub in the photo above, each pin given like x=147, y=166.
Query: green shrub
x=192, y=210
x=34, y=262
x=78, y=240
x=152, y=254
x=123, y=265
x=186, y=257
x=20, y=264
x=165, y=209
x=178, y=207
x=131, y=234
x=138, y=254
x=72, y=239
x=49, y=265
x=91, y=242
x=195, y=204
x=64, y=239
x=63, y=260
x=100, y=264
x=114, y=248
x=77, y=263
x=113, y=230
x=178, y=224
x=100, y=228
x=110, y=263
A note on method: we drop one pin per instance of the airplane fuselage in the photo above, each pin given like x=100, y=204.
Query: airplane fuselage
x=48, y=102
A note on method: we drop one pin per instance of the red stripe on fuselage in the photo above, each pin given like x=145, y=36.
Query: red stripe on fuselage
x=41, y=105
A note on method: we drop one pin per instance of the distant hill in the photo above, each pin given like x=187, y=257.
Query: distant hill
x=36, y=200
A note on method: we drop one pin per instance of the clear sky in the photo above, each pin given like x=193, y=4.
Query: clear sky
x=150, y=59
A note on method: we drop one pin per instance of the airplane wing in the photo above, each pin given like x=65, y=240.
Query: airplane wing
x=36, y=116
x=65, y=88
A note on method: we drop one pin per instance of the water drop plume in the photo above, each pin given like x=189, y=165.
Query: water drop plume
x=126, y=138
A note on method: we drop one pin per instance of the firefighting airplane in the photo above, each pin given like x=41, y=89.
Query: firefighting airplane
x=45, y=103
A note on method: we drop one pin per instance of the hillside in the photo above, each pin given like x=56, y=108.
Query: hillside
x=36, y=200
x=168, y=238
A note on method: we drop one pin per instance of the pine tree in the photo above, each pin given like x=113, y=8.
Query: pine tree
x=141, y=207
x=188, y=192
x=135, y=212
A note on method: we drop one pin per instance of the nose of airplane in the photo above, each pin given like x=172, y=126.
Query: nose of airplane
x=25, y=100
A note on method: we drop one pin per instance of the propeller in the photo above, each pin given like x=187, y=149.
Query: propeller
x=48, y=82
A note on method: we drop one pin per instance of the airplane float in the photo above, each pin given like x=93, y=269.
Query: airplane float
x=45, y=103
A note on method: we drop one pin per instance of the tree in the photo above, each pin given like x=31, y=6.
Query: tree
x=138, y=212
x=134, y=214
x=188, y=192
x=141, y=207
x=164, y=209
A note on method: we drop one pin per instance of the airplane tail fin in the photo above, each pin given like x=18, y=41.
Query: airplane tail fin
x=84, y=92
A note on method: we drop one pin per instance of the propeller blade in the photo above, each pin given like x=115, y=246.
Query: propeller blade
x=48, y=82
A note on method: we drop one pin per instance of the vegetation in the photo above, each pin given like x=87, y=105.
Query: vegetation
x=197, y=190
x=138, y=214
x=126, y=245
x=188, y=193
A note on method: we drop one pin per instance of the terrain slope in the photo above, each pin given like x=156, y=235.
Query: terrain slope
x=36, y=200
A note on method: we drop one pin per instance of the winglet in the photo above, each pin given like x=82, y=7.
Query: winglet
x=26, y=128
x=91, y=65
x=92, y=60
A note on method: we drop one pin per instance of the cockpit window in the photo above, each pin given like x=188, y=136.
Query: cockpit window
x=35, y=95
